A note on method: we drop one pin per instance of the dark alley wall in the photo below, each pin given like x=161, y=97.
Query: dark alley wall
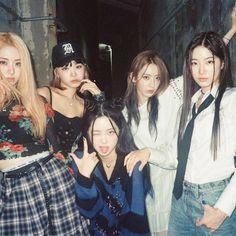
x=35, y=23
x=80, y=18
x=91, y=22
x=168, y=26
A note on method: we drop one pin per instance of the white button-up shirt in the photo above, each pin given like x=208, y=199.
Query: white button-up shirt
x=201, y=166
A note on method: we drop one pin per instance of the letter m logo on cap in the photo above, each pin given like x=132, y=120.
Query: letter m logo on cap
x=67, y=48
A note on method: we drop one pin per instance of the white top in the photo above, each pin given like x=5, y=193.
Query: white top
x=163, y=159
x=201, y=168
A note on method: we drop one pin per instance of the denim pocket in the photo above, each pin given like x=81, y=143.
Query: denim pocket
x=211, y=195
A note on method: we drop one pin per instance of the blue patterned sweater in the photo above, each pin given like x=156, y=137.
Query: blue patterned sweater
x=115, y=206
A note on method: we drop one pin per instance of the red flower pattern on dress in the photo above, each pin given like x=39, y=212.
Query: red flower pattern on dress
x=60, y=156
x=12, y=147
x=49, y=110
x=17, y=148
x=5, y=144
x=17, y=113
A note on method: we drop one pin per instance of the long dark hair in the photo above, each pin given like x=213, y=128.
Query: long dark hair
x=145, y=58
x=214, y=43
x=113, y=111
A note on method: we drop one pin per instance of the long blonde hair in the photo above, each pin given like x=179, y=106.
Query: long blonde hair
x=25, y=89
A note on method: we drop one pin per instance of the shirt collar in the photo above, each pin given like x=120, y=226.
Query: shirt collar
x=213, y=92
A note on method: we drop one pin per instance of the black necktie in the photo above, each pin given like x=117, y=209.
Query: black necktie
x=185, y=146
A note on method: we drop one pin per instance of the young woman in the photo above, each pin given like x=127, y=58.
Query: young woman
x=153, y=106
x=112, y=200
x=205, y=187
x=71, y=80
x=36, y=189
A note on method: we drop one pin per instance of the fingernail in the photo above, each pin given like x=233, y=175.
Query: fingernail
x=84, y=138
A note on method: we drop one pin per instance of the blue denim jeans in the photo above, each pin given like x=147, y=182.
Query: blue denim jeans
x=187, y=209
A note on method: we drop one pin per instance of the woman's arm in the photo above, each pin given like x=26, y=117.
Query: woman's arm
x=44, y=92
x=232, y=30
x=89, y=199
x=165, y=155
x=225, y=205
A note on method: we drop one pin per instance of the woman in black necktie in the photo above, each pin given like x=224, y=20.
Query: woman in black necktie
x=205, y=187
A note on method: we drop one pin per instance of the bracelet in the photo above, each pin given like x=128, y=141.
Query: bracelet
x=226, y=38
x=100, y=97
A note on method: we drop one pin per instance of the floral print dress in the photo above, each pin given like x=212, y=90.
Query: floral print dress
x=16, y=134
x=43, y=201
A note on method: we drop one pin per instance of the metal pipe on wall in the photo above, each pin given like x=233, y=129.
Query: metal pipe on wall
x=62, y=28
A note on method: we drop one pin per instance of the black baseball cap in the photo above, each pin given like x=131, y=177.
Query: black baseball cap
x=65, y=52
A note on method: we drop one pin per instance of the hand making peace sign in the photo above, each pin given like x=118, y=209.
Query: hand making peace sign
x=87, y=163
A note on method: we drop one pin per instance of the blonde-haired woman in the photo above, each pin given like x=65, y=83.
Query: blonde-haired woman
x=36, y=189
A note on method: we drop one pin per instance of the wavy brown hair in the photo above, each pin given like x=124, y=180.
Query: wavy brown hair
x=144, y=59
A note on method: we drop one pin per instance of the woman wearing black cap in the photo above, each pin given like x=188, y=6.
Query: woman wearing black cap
x=71, y=78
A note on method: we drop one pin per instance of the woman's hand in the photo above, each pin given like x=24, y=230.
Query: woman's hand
x=87, y=163
x=212, y=218
x=233, y=19
x=90, y=86
x=134, y=157
x=232, y=30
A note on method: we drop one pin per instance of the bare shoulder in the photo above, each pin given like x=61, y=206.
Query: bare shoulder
x=44, y=91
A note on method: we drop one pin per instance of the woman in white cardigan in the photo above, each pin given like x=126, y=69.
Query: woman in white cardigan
x=152, y=105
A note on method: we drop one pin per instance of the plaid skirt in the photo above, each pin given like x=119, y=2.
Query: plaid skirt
x=41, y=203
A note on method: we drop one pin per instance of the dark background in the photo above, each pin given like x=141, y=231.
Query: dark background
x=130, y=26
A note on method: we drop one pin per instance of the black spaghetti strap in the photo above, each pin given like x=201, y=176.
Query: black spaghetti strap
x=50, y=93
